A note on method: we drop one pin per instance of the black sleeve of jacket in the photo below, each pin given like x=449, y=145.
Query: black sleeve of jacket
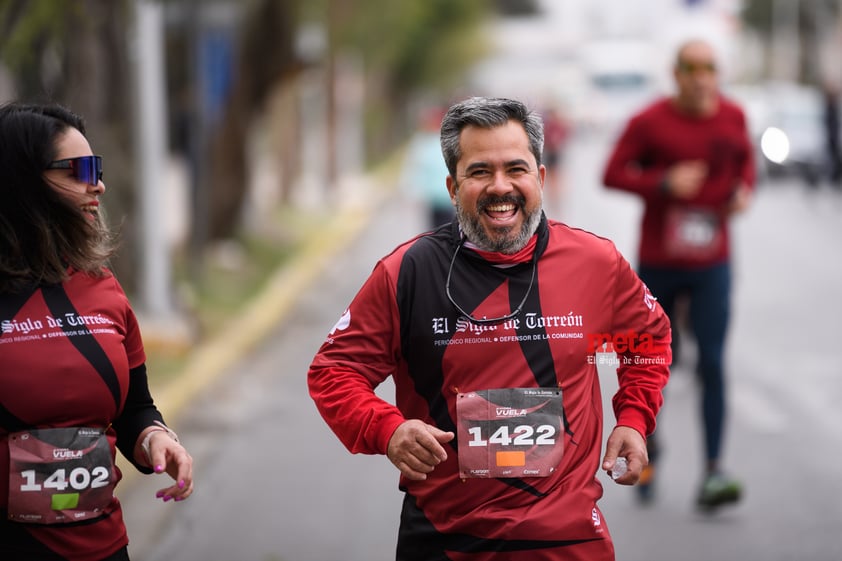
x=139, y=413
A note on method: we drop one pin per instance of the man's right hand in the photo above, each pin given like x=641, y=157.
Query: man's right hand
x=416, y=448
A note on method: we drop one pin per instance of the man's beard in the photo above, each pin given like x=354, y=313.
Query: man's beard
x=502, y=241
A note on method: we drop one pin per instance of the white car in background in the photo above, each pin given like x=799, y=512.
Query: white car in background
x=621, y=79
x=787, y=125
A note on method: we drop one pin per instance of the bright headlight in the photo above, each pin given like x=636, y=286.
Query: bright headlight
x=775, y=145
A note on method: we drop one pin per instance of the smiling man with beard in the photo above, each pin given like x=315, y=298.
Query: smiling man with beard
x=484, y=326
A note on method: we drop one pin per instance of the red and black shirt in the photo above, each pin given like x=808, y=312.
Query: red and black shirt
x=677, y=233
x=402, y=324
x=71, y=356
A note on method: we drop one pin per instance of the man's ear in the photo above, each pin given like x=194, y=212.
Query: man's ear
x=452, y=187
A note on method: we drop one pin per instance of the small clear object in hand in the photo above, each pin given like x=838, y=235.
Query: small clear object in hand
x=619, y=469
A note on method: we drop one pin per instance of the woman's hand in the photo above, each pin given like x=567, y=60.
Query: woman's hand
x=166, y=454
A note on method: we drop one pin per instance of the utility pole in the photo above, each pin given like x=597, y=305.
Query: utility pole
x=151, y=142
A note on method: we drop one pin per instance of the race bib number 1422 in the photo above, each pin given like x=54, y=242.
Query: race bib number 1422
x=513, y=432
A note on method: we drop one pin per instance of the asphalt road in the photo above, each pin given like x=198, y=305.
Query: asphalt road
x=273, y=484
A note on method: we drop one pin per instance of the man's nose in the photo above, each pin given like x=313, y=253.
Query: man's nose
x=500, y=183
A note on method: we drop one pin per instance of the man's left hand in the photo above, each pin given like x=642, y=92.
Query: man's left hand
x=740, y=200
x=630, y=444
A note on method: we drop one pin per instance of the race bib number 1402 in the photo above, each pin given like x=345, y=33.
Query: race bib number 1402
x=59, y=475
x=513, y=432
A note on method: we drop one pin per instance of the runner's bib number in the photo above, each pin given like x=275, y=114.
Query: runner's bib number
x=59, y=475
x=694, y=234
x=514, y=432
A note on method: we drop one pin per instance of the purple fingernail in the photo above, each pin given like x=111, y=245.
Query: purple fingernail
x=181, y=484
x=167, y=498
x=159, y=468
x=159, y=494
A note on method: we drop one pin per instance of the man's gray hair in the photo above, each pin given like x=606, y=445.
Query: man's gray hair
x=488, y=112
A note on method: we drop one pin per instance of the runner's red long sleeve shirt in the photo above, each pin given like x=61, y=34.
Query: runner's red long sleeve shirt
x=676, y=233
x=71, y=358
x=402, y=324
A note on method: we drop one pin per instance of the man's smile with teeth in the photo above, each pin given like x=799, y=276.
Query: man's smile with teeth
x=501, y=211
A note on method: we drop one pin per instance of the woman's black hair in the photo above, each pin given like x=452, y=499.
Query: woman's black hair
x=41, y=233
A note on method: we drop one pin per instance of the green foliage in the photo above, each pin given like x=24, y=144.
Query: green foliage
x=28, y=26
x=417, y=42
x=410, y=43
x=440, y=45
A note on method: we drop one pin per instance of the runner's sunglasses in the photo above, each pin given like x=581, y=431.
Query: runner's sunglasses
x=696, y=67
x=85, y=168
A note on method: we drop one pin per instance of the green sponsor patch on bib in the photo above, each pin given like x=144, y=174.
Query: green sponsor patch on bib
x=64, y=501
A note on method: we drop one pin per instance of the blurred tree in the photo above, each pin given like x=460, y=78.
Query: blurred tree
x=517, y=7
x=75, y=53
x=266, y=57
x=405, y=47
x=225, y=60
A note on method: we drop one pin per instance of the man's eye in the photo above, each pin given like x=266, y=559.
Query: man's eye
x=479, y=173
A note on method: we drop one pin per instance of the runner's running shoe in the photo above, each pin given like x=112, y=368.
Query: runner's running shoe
x=718, y=490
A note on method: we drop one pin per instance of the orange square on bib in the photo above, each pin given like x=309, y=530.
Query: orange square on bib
x=510, y=459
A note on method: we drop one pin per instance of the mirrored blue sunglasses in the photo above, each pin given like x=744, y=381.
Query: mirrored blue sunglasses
x=85, y=168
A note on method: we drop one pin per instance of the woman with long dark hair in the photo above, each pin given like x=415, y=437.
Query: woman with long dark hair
x=73, y=385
